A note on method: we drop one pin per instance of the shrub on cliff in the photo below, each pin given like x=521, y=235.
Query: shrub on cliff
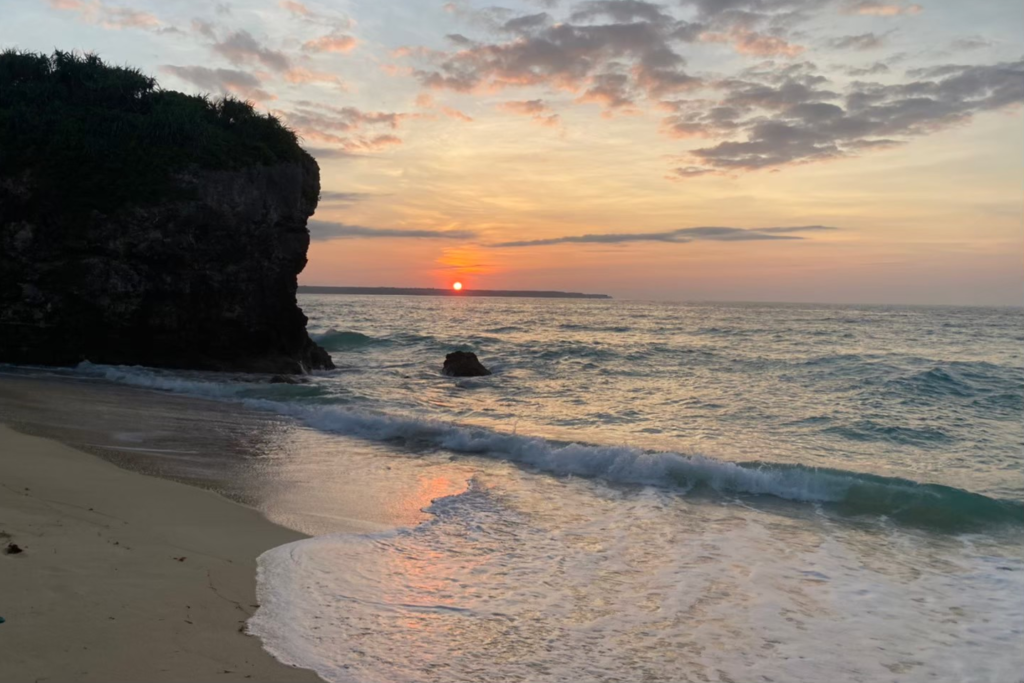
x=90, y=136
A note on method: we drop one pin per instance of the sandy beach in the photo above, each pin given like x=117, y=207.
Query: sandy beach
x=125, y=577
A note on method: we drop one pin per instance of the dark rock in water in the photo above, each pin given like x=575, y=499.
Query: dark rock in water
x=171, y=247
x=463, y=364
x=13, y=549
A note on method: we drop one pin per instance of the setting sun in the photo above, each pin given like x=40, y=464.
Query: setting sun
x=457, y=286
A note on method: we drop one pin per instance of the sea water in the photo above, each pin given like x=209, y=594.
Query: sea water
x=653, y=492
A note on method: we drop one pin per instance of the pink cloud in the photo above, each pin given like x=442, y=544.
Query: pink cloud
x=538, y=110
x=882, y=9
x=456, y=114
x=108, y=16
x=300, y=75
x=295, y=7
x=334, y=42
x=753, y=43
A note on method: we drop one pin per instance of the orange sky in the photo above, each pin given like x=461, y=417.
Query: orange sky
x=799, y=150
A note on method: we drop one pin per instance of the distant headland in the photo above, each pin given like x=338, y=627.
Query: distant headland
x=426, y=291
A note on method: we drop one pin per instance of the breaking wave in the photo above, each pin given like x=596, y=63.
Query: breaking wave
x=933, y=506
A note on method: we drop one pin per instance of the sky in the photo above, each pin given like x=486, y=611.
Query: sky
x=848, y=151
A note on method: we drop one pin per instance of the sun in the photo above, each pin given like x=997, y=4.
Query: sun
x=457, y=286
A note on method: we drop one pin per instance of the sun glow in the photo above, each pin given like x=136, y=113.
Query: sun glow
x=457, y=286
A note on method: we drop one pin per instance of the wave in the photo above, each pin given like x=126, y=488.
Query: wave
x=149, y=379
x=199, y=383
x=905, y=501
x=596, y=328
x=568, y=350
x=938, y=381
x=343, y=340
x=960, y=380
x=869, y=430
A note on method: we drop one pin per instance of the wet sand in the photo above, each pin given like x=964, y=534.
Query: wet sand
x=125, y=577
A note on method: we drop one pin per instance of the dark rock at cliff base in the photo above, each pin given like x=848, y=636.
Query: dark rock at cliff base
x=463, y=364
x=287, y=379
x=142, y=226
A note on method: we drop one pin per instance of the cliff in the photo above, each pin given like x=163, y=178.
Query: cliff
x=142, y=226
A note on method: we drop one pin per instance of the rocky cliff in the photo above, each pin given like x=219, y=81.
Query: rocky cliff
x=170, y=258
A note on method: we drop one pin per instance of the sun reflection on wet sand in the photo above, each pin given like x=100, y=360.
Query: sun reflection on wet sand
x=296, y=483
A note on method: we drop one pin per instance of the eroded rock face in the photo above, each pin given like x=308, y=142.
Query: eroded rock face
x=204, y=280
x=463, y=364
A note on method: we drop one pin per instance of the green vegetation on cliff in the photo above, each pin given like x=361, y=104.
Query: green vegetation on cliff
x=84, y=135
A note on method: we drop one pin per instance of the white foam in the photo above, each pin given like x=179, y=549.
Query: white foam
x=573, y=587
x=155, y=379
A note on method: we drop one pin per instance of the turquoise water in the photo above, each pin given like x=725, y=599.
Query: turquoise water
x=659, y=491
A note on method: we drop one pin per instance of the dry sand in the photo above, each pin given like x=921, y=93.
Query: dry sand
x=124, y=577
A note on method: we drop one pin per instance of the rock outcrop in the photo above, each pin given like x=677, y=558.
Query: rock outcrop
x=205, y=283
x=463, y=364
x=199, y=272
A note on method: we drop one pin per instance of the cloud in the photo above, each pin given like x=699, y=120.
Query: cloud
x=109, y=16
x=783, y=110
x=616, y=53
x=241, y=47
x=456, y=114
x=528, y=24
x=303, y=13
x=607, y=62
x=300, y=74
x=688, y=172
x=609, y=89
x=702, y=120
x=221, y=81
x=882, y=9
x=798, y=121
x=869, y=70
x=336, y=196
x=204, y=28
x=679, y=236
x=333, y=42
x=538, y=110
x=526, y=107
x=347, y=117
x=622, y=11
x=426, y=101
x=970, y=43
x=331, y=153
x=295, y=7
x=327, y=230
x=351, y=145
x=864, y=41
x=748, y=42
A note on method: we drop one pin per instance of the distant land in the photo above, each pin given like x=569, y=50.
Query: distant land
x=423, y=291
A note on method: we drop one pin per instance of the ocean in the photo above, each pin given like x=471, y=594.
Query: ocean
x=642, y=491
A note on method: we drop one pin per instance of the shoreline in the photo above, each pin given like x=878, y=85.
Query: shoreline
x=125, y=576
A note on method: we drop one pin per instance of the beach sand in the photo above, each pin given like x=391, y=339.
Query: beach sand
x=125, y=577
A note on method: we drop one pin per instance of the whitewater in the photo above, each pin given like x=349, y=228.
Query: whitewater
x=648, y=491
